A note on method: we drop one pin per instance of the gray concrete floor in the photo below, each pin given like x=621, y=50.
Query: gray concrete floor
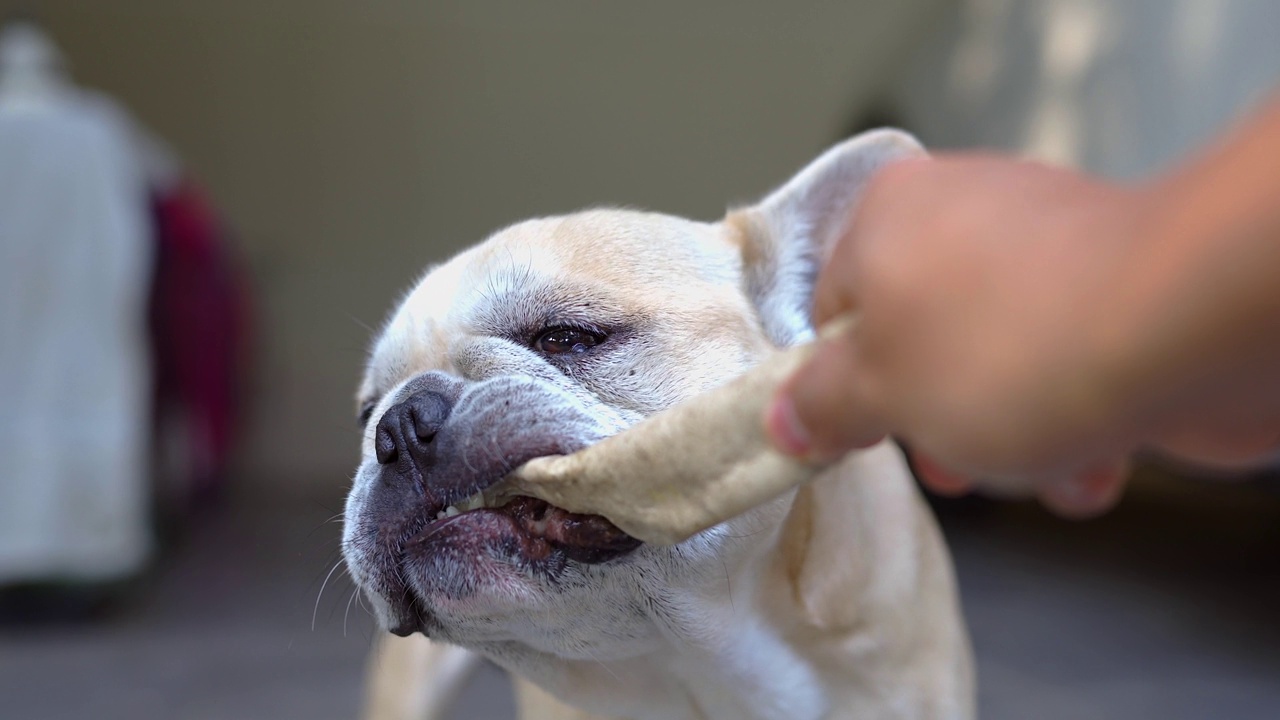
x=1165, y=609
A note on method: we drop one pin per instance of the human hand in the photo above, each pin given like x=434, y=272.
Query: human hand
x=984, y=337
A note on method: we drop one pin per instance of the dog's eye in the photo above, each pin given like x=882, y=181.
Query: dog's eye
x=366, y=413
x=567, y=341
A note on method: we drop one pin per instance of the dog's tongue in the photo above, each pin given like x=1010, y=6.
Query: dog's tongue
x=585, y=538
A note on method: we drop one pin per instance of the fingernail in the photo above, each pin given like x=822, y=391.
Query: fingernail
x=785, y=429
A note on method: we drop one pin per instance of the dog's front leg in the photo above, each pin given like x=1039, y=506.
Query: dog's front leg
x=415, y=679
x=534, y=703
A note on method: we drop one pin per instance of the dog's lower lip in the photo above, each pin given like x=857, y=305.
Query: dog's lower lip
x=585, y=538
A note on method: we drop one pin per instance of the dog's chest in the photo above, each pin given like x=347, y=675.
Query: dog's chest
x=750, y=674
x=746, y=673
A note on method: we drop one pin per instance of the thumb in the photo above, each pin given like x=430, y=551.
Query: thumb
x=821, y=411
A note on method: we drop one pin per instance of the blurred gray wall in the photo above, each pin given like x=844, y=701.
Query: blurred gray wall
x=1119, y=87
x=351, y=144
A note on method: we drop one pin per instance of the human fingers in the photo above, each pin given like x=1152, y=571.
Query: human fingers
x=824, y=410
x=939, y=478
x=1088, y=494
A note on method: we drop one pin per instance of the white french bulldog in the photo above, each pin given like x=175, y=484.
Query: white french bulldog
x=834, y=601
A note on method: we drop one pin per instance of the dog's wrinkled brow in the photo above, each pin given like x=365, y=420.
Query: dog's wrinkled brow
x=514, y=304
x=521, y=311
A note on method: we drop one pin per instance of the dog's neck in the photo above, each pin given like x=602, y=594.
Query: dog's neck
x=718, y=657
x=796, y=626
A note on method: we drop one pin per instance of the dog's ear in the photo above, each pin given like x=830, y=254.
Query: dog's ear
x=787, y=237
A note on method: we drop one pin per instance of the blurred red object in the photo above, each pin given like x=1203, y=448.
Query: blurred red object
x=200, y=331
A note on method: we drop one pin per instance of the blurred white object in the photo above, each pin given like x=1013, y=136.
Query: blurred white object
x=75, y=257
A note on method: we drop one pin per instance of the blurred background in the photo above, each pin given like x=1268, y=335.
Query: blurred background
x=206, y=207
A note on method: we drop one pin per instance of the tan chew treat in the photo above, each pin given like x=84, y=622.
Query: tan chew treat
x=683, y=470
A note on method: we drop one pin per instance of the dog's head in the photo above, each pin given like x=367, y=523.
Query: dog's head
x=549, y=336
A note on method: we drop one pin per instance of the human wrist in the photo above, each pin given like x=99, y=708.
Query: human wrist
x=1193, y=289
x=1125, y=343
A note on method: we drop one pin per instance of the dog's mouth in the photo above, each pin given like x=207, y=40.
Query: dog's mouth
x=537, y=528
x=489, y=537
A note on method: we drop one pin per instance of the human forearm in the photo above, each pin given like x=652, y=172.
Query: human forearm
x=1196, y=315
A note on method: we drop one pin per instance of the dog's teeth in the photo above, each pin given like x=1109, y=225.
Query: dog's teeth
x=473, y=502
x=496, y=498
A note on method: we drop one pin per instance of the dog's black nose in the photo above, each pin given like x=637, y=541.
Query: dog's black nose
x=410, y=426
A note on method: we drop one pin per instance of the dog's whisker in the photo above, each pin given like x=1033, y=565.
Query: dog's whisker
x=365, y=326
x=728, y=584
x=330, y=556
x=601, y=664
x=315, y=610
x=741, y=536
x=354, y=592
x=336, y=517
x=347, y=428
